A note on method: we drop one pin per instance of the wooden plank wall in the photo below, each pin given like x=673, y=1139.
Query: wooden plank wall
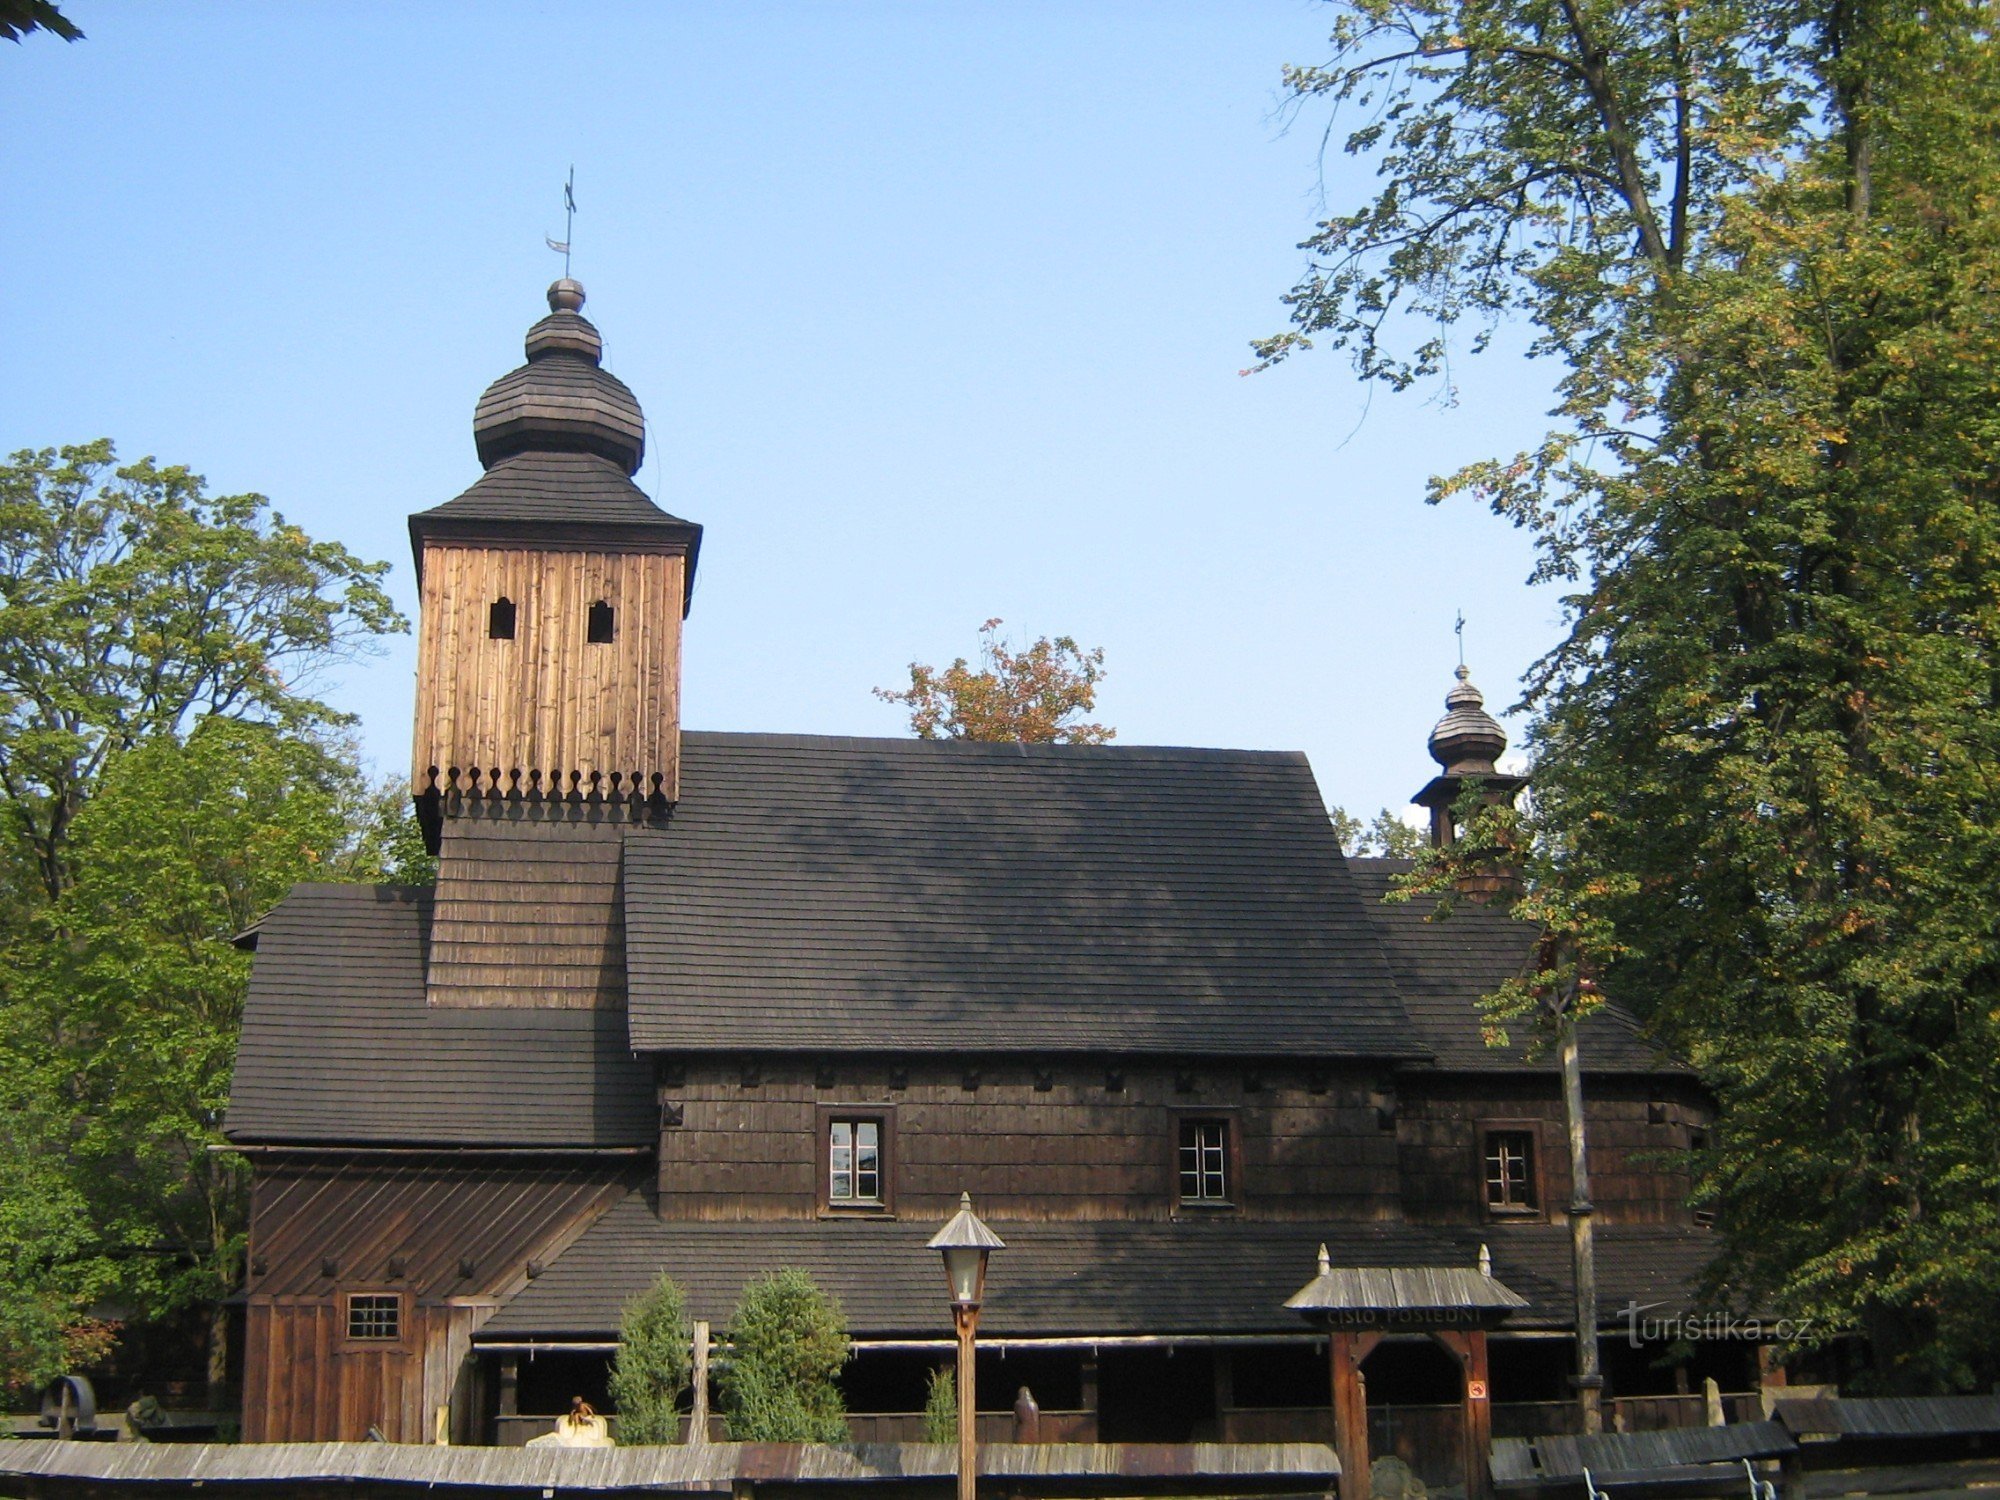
x=303, y=1382
x=1076, y=1149
x=1636, y=1132
x=548, y=707
x=529, y=913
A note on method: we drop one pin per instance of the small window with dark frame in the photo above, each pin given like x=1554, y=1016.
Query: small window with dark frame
x=854, y=1163
x=1510, y=1172
x=598, y=626
x=375, y=1316
x=500, y=620
x=1204, y=1161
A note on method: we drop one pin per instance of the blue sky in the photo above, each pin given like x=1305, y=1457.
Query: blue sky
x=936, y=313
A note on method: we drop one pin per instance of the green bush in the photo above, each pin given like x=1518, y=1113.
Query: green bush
x=941, y=1407
x=650, y=1371
x=781, y=1381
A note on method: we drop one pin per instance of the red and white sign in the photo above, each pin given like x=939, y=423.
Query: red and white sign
x=1475, y=1390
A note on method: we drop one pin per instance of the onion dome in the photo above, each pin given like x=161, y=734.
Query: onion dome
x=561, y=400
x=1467, y=740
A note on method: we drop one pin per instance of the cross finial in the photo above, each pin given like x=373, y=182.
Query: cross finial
x=1457, y=629
x=569, y=221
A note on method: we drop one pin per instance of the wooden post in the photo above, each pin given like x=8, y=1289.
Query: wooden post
x=1223, y=1370
x=1469, y=1350
x=510, y=1385
x=967, y=1319
x=1087, y=1383
x=1346, y=1351
x=1583, y=1249
x=698, y=1416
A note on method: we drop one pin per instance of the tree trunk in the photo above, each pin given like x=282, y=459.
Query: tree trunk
x=1583, y=1251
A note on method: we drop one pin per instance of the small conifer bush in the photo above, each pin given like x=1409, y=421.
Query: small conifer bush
x=649, y=1373
x=781, y=1382
x=941, y=1407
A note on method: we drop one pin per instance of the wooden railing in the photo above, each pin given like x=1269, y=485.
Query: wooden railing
x=1424, y=1437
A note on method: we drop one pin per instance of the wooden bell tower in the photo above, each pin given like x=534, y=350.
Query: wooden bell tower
x=548, y=679
x=549, y=648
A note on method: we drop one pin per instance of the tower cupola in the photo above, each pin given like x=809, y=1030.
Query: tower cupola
x=1468, y=740
x=1467, y=743
x=562, y=399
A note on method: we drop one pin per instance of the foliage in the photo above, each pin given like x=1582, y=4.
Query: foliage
x=781, y=1383
x=19, y=17
x=122, y=1009
x=941, y=1407
x=1385, y=836
x=649, y=1374
x=391, y=844
x=1029, y=697
x=1763, y=241
x=133, y=603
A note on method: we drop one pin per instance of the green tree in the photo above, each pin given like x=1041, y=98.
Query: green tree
x=941, y=1406
x=133, y=603
x=121, y=1014
x=781, y=1383
x=649, y=1373
x=1761, y=240
x=19, y=17
x=1030, y=696
x=1385, y=836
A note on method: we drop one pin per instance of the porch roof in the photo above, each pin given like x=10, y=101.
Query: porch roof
x=1072, y=1279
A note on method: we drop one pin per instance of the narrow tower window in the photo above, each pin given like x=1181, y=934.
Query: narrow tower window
x=597, y=630
x=500, y=620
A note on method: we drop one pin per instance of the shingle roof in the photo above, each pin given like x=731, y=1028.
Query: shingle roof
x=925, y=896
x=339, y=1045
x=567, y=495
x=577, y=487
x=1444, y=967
x=1208, y=1276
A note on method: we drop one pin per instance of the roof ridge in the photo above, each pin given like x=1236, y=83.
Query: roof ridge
x=992, y=749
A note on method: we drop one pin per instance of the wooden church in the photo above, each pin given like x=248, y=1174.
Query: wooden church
x=718, y=1004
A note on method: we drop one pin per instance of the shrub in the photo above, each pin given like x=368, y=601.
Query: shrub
x=781, y=1382
x=941, y=1407
x=650, y=1371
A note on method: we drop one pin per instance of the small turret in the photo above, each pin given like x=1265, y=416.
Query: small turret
x=1468, y=743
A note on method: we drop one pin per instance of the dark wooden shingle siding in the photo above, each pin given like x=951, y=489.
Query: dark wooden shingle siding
x=528, y=913
x=1074, y=1149
x=930, y=896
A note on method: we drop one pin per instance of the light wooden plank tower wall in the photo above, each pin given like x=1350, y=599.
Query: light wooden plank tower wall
x=549, y=712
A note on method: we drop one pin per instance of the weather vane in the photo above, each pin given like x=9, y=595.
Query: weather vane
x=1458, y=626
x=569, y=221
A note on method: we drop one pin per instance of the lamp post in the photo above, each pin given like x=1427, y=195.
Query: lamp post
x=965, y=1243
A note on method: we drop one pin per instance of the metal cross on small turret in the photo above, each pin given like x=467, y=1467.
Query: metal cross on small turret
x=569, y=221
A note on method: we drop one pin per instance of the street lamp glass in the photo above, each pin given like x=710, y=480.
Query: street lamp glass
x=965, y=1268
